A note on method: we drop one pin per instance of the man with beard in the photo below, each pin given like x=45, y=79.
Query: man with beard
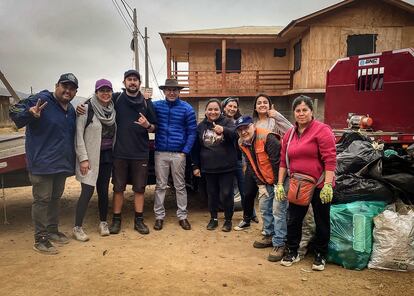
x=135, y=118
x=50, y=122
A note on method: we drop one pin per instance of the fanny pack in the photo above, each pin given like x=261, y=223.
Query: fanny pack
x=301, y=186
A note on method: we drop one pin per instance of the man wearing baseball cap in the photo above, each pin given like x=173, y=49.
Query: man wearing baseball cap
x=261, y=177
x=50, y=132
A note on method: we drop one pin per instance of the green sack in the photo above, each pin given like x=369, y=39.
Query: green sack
x=350, y=244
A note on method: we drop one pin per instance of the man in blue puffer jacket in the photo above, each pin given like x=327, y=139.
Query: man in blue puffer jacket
x=175, y=136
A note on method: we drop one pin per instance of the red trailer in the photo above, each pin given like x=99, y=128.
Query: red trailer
x=374, y=94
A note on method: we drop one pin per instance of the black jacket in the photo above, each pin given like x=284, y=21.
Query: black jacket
x=214, y=153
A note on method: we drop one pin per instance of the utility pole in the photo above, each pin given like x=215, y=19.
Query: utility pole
x=135, y=35
x=146, y=59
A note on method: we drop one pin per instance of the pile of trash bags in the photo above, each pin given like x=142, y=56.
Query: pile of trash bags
x=366, y=228
x=366, y=172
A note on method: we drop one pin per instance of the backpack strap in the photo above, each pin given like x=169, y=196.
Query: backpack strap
x=90, y=114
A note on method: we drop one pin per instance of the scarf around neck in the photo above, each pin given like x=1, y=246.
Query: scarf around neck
x=106, y=115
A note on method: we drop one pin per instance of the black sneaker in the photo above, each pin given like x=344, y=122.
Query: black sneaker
x=319, y=262
x=58, y=238
x=227, y=226
x=290, y=258
x=255, y=219
x=44, y=246
x=242, y=226
x=140, y=226
x=116, y=226
x=213, y=224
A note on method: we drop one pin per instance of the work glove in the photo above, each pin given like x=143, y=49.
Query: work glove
x=280, y=194
x=262, y=191
x=326, y=193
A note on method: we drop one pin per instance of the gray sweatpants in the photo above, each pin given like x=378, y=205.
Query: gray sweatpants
x=47, y=191
x=164, y=161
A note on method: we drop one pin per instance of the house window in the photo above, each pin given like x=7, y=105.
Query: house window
x=279, y=52
x=297, y=55
x=233, y=60
x=361, y=44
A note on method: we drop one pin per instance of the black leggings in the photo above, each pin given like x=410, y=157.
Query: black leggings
x=220, y=189
x=102, y=186
x=250, y=192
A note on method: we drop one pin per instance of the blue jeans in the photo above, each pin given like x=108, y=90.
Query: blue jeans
x=274, y=216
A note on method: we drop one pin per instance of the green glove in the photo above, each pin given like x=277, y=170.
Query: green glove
x=326, y=193
x=280, y=192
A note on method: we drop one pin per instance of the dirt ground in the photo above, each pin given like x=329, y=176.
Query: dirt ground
x=168, y=262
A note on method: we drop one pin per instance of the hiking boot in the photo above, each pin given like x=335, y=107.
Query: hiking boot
x=213, y=224
x=58, y=238
x=255, y=219
x=79, y=234
x=264, y=242
x=140, y=226
x=116, y=226
x=290, y=258
x=185, y=224
x=158, y=224
x=242, y=225
x=103, y=228
x=44, y=246
x=227, y=226
x=276, y=254
x=319, y=262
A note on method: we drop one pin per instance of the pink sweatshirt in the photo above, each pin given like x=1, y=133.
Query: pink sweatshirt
x=312, y=153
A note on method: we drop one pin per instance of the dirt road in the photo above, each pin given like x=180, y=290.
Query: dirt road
x=169, y=262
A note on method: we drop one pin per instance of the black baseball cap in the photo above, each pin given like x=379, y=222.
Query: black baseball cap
x=68, y=78
x=132, y=72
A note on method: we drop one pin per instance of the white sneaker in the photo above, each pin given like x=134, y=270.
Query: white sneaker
x=103, y=228
x=79, y=234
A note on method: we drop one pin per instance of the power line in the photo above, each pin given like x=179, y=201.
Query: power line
x=127, y=4
x=126, y=9
x=122, y=16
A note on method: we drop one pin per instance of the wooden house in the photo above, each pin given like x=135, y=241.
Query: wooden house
x=5, y=101
x=284, y=61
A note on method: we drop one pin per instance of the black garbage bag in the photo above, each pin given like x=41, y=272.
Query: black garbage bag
x=351, y=187
x=395, y=171
x=355, y=157
x=348, y=138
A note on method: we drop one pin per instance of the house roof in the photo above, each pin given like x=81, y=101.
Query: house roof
x=243, y=30
x=276, y=31
x=398, y=3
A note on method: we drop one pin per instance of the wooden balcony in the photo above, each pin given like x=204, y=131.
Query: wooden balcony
x=232, y=83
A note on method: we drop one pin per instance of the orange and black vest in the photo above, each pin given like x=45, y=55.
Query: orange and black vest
x=262, y=166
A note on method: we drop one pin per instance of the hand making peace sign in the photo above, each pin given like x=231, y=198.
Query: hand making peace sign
x=37, y=109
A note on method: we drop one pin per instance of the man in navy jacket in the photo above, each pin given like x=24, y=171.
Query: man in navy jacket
x=174, y=139
x=50, y=122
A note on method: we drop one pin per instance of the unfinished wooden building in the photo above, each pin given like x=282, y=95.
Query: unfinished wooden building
x=284, y=61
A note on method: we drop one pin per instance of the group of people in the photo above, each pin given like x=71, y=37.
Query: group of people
x=107, y=136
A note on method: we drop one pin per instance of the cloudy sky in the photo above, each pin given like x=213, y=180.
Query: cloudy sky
x=42, y=39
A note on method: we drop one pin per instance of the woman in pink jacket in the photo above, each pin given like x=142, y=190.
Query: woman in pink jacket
x=311, y=152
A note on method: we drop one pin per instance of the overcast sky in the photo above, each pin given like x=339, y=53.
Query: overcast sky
x=42, y=39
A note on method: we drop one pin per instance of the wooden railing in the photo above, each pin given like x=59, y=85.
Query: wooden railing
x=238, y=83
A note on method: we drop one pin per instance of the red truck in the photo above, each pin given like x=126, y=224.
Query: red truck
x=374, y=94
